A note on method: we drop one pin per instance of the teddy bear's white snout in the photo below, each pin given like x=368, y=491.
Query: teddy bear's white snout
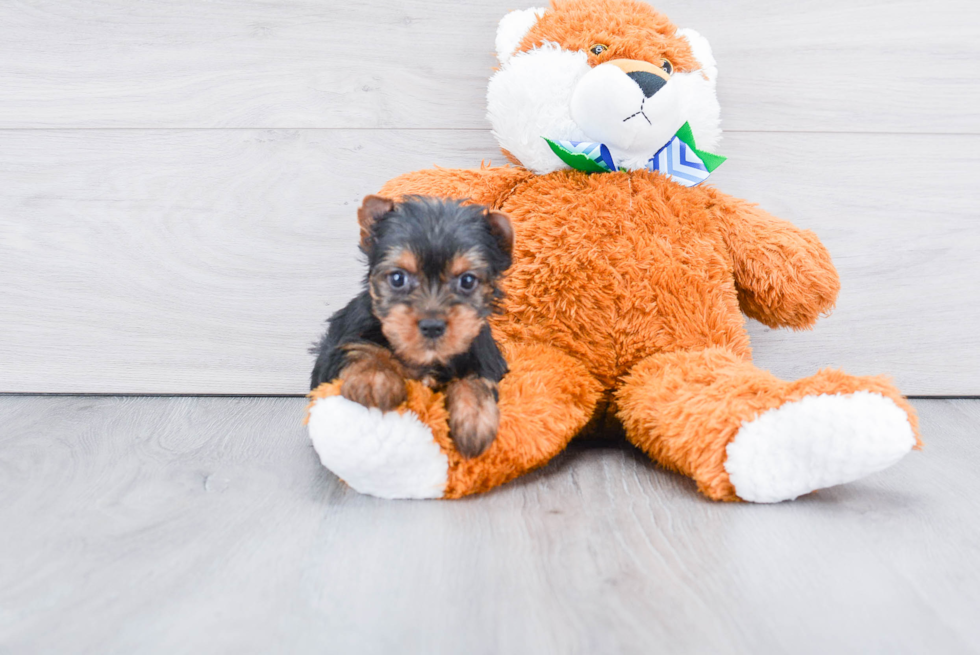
x=631, y=117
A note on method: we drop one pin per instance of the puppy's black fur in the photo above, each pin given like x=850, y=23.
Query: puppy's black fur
x=356, y=323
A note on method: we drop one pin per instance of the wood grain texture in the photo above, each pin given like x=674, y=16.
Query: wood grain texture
x=205, y=261
x=164, y=525
x=828, y=65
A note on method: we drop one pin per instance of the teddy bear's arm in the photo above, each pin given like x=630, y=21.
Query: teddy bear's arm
x=784, y=275
x=486, y=186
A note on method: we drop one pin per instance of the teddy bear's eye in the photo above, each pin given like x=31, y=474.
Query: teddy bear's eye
x=667, y=66
x=598, y=49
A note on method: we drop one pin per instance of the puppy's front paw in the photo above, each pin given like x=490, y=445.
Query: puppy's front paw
x=380, y=388
x=473, y=414
x=372, y=378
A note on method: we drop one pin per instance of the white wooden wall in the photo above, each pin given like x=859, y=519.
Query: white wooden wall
x=178, y=179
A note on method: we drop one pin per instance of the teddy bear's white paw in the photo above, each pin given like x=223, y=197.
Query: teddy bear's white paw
x=816, y=442
x=384, y=454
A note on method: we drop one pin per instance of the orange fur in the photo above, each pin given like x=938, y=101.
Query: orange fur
x=622, y=270
x=684, y=408
x=784, y=274
x=626, y=297
x=631, y=29
x=483, y=186
x=544, y=401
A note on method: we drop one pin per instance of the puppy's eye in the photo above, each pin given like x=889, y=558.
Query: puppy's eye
x=598, y=48
x=397, y=279
x=667, y=66
x=467, y=282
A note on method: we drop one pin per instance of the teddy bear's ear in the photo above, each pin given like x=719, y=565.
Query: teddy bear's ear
x=702, y=52
x=512, y=29
x=697, y=91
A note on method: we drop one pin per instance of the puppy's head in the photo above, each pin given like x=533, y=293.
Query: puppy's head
x=434, y=268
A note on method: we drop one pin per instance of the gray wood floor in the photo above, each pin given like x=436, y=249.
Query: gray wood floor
x=172, y=525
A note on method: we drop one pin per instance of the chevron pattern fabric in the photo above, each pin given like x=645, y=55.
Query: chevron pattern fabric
x=597, y=152
x=680, y=159
x=680, y=163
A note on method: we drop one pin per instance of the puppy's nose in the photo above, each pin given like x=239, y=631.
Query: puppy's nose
x=648, y=82
x=432, y=328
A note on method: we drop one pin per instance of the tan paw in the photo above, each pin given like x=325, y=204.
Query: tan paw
x=473, y=415
x=373, y=378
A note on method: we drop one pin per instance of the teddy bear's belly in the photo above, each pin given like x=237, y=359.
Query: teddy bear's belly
x=606, y=269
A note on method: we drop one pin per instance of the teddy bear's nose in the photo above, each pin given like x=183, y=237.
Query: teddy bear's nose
x=648, y=82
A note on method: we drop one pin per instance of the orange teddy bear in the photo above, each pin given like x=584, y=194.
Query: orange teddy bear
x=625, y=301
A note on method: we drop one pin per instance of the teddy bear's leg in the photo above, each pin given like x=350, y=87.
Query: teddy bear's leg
x=545, y=399
x=743, y=434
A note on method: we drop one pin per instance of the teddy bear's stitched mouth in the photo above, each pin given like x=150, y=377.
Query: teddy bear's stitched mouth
x=639, y=113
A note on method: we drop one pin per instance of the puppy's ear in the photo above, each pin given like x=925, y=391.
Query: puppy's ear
x=502, y=230
x=372, y=208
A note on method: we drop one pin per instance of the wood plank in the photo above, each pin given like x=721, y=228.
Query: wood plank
x=205, y=261
x=162, y=525
x=832, y=65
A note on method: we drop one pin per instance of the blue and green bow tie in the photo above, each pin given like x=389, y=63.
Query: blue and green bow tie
x=679, y=159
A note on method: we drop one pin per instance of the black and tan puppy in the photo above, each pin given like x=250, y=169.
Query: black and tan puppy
x=434, y=267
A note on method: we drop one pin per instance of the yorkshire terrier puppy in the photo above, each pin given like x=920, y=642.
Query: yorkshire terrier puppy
x=433, y=272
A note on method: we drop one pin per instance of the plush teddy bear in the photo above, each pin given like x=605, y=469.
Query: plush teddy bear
x=625, y=304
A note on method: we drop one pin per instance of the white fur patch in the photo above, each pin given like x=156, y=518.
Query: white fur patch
x=816, y=442
x=384, y=454
x=511, y=31
x=529, y=98
x=699, y=98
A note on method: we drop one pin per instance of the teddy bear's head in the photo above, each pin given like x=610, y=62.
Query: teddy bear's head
x=611, y=72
